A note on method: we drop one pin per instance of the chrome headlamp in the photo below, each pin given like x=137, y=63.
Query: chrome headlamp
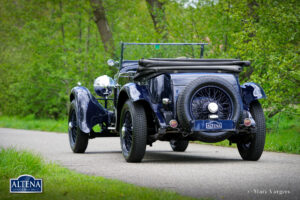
x=103, y=85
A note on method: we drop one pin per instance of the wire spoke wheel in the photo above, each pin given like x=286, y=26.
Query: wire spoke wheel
x=73, y=126
x=78, y=140
x=127, y=132
x=208, y=98
x=210, y=94
x=133, y=131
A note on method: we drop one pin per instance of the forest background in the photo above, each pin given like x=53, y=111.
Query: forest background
x=47, y=46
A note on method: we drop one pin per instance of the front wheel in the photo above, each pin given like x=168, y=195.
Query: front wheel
x=179, y=145
x=133, y=131
x=253, y=148
x=78, y=140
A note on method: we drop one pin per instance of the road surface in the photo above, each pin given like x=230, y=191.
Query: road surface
x=201, y=171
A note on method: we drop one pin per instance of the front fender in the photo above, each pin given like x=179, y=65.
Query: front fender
x=251, y=92
x=88, y=110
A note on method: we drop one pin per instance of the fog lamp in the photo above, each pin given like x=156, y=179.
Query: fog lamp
x=173, y=123
x=166, y=101
x=247, y=122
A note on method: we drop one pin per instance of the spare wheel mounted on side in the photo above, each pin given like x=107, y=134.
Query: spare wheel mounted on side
x=193, y=104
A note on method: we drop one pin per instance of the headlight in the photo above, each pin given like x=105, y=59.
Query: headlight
x=103, y=85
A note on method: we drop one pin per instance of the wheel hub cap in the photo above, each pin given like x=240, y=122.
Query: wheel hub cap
x=123, y=130
x=70, y=125
x=213, y=107
x=210, y=100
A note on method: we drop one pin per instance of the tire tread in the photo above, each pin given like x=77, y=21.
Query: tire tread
x=82, y=139
x=258, y=141
x=139, y=123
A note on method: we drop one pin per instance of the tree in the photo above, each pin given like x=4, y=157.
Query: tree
x=46, y=47
x=103, y=26
x=157, y=11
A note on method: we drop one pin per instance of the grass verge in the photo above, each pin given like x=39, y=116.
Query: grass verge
x=61, y=183
x=31, y=123
x=283, y=130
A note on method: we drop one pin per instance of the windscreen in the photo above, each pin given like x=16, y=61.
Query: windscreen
x=138, y=51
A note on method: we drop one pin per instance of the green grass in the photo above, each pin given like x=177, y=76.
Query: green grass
x=284, y=133
x=61, y=183
x=31, y=123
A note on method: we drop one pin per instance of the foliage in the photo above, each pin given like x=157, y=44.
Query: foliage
x=285, y=133
x=47, y=46
x=61, y=183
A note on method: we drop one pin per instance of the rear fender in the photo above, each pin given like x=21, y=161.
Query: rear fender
x=252, y=92
x=88, y=110
x=137, y=93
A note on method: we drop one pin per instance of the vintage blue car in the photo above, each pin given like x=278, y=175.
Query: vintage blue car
x=170, y=96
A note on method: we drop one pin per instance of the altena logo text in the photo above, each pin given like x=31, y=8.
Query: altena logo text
x=26, y=184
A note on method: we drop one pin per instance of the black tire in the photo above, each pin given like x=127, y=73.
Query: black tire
x=78, y=139
x=254, y=147
x=185, y=97
x=179, y=145
x=133, y=131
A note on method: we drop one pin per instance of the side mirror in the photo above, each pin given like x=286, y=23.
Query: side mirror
x=111, y=62
x=103, y=85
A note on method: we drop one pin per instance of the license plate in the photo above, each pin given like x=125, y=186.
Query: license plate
x=212, y=125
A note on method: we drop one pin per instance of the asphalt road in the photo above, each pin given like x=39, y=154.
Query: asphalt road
x=201, y=171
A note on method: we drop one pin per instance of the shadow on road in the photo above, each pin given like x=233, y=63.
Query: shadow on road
x=165, y=157
x=170, y=156
x=103, y=152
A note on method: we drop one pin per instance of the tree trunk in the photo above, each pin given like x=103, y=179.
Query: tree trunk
x=157, y=12
x=62, y=28
x=253, y=6
x=88, y=38
x=62, y=24
x=103, y=26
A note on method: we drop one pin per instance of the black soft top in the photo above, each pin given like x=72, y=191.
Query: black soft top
x=148, y=67
x=190, y=62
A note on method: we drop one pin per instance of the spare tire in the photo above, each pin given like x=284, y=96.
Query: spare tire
x=193, y=101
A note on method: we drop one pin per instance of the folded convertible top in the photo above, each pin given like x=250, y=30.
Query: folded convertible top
x=190, y=62
x=155, y=66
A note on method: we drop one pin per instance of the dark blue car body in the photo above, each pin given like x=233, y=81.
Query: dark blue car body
x=150, y=82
